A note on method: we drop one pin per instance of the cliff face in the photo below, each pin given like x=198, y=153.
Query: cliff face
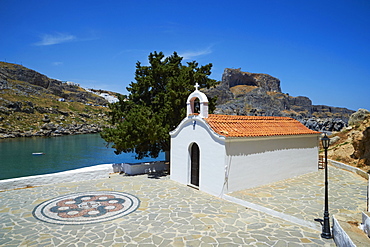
x=252, y=94
x=234, y=77
x=352, y=144
x=31, y=104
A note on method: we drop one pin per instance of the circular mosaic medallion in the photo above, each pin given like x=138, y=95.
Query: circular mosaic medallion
x=86, y=207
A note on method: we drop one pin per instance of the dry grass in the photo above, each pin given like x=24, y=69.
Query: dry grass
x=242, y=89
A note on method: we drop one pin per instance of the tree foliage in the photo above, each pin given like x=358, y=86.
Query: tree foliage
x=156, y=104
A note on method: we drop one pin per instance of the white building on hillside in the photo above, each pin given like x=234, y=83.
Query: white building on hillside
x=109, y=98
x=71, y=83
x=223, y=153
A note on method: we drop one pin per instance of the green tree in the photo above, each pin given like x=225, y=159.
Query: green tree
x=156, y=104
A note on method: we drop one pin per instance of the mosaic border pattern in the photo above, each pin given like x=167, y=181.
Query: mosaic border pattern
x=86, y=207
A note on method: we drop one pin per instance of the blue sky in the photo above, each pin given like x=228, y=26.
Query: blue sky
x=319, y=49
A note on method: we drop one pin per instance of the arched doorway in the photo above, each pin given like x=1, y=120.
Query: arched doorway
x=194, y=161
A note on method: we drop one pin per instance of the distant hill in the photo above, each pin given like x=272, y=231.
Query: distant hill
x=253, y=94
x=31, y=104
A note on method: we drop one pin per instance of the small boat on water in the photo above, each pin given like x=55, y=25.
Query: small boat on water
x=38, y=153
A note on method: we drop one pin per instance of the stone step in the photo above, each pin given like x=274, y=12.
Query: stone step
x=347, y=231
x=349, y=215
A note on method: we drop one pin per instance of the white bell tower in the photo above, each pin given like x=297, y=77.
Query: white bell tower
x=203, y=100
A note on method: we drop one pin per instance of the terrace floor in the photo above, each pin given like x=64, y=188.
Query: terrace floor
x=141, y=211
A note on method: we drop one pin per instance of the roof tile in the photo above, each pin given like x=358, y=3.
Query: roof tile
x=256, y=126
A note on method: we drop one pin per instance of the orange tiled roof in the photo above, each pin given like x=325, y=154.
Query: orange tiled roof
x=255, y=126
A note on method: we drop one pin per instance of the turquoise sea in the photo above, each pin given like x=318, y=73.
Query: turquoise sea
x=61, y=154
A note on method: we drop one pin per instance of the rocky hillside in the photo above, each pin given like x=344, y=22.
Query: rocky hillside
x=253, y=94
x=352, y=144
x=31, y=104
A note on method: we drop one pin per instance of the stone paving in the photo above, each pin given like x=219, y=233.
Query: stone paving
x=303, y=196
x=170, y=214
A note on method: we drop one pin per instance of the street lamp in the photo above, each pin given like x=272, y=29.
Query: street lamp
x=326, y=226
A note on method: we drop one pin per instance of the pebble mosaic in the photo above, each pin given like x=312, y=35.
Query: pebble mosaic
x=86, y=207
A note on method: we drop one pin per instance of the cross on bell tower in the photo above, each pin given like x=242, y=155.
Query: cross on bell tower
x=196, y=86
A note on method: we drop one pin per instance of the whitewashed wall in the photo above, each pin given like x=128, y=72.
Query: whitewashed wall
x=82, y=174
x=258, y=161
x=212, y=155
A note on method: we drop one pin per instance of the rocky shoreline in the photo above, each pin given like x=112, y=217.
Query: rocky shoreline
x=50, y=122
x=51, y=130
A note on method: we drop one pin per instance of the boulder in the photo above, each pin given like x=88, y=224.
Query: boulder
x=15, y=106
x=49, y=127
x=361, y=144
x=41, y=109
x=334, y=139
x=64, y=113
x=358, y=116
x=46, y=119
x=324, y=124
x=85, y=115
x=4, y=110
x=28, y=109
x=3, y=84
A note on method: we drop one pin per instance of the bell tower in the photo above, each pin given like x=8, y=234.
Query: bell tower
x=203, y=101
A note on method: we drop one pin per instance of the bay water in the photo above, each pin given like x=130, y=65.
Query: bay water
x=60, y=154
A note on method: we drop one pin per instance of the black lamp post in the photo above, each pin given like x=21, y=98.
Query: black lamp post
x=326, y=226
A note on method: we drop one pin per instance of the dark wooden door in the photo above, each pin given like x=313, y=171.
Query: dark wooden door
x=194, y=176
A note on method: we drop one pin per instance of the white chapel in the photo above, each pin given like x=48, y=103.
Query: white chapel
x=219, y=154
